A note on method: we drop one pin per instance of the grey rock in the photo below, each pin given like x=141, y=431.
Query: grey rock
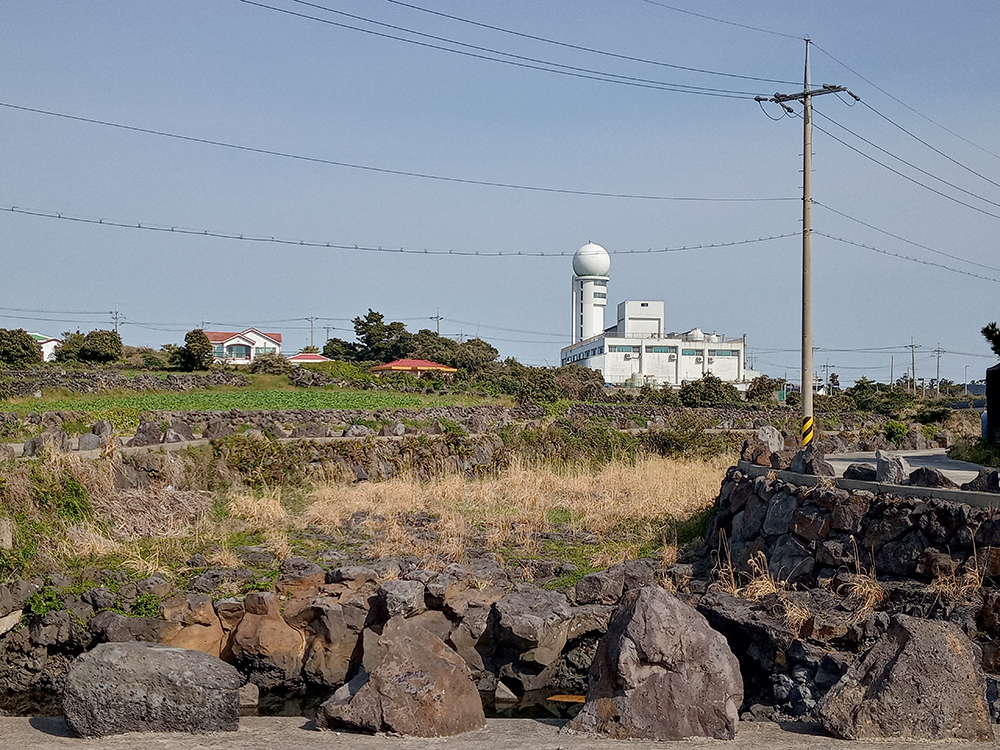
x=771, y=438
x=393, y=429
x=89, y=442
x=659, y=652
x=860, y=472
x=421, y=688
x=891, y=469
x=920, y=681
x=779, y=514
x=532, y=621
x=401, y=598
x=358, y=431
x=147, y=434
x=810, y=460
x=927, y=476
x=103, y=428
x=141, y=687
x=602, y=587
x=987, y=481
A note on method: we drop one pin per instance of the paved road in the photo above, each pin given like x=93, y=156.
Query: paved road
x=959, y=472
x=292, y=733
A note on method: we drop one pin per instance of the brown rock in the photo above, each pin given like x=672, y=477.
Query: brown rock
x=920, y=681
x=201, y=629
x=661, y=673
x=264, y=645
x=421, y=688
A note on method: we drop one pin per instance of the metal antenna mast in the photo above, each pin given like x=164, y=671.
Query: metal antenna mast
x=805, y=96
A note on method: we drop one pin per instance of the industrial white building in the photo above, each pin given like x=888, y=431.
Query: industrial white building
x=638, y=349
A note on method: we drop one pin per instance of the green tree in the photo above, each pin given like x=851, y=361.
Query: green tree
x=18, y=349
x=475, y=354
x=341, y=350
x=763, y=389
x=69, y=349
x=427, y=344
x=381, y=342
x=992, y=333
x=709, y=391
x=101, y=346
x=577, y=382
x=310, y=350
x=196, y=354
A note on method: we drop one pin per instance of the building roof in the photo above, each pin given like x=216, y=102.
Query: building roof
x=41, y=338
x=221, y=337
x=308, y=357
x=411, y=365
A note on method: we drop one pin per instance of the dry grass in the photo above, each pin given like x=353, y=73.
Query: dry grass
x=623, y=503
x=962, y=584
x=759, y=584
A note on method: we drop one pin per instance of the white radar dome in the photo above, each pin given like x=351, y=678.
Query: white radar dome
x=591, y=260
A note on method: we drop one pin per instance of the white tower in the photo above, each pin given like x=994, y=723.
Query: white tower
x=590, y=290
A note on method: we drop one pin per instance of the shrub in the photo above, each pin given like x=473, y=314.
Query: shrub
x=709, y=391
x=101, y=346
x=18, y=349
x=271, y=363
x=894, y=432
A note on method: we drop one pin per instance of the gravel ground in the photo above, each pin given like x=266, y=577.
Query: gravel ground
x=295, y=733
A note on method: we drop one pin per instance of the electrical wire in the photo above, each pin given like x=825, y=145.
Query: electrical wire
x=906, y=257
x=905, y=176
x=721, y=20
x=904, y=104
x=519, y=61
x=54, y=312
x=907, y=163
x=903, y=239
x=380, y=170
x=363, y=248
x=932, y=148
x=580, y=48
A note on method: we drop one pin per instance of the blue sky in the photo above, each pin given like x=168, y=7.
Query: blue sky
x=239, y=74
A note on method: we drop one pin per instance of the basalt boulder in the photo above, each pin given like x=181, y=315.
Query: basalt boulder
x=659, y=653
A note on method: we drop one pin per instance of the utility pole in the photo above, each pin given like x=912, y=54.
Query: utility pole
x=937, y=380
x=891, y=367
x=805, y=96
x=913, y=367
x=312, y=321
x=115, y=315
x=327, y=332
x=438, y=319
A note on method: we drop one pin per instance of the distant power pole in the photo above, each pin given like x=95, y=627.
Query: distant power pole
x=438, y=319
x=913, y=367
x=805, y=96
x=312, y=321
x=115, y=315
x=937, y=380
x=327, y=332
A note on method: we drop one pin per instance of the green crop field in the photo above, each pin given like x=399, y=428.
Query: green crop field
x=123, y=410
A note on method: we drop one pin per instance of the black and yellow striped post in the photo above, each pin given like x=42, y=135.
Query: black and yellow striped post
x=807, y=431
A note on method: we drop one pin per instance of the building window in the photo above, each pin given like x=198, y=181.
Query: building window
x=643, y=304
x=661, y=350
x=264, y=350
x=626, y=349
x=218, y=351
x=600, y=295
x=238, y=351
x=600, y=283
x=692, y=352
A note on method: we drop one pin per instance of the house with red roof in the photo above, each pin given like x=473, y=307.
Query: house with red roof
x=241, y=348
x=307, y=358
x=413, y=366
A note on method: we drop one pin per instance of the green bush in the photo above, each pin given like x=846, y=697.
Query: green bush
x=271, y=363
x=709, y=391
x=18, y=349
x=894, y=432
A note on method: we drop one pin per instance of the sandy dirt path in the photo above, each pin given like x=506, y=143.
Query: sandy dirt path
x=295, y=733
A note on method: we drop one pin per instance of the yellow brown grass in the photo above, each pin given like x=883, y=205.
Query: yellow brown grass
x=628, y=502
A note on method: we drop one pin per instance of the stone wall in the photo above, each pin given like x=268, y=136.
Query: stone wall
x=813, y=530
x=20, y=383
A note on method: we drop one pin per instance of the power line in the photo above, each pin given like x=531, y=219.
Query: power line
x=54, y=312
x=722, y=20
x=380, y=170
x=905, y=176
x=531, y=64
x=906, y=257
x=580, y=48
x=932, y=148
x=363, y=248
x=904, y=104
x=909, y=164
x=903, y=239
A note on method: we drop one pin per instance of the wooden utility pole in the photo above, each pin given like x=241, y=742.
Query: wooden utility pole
x=805, y=96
